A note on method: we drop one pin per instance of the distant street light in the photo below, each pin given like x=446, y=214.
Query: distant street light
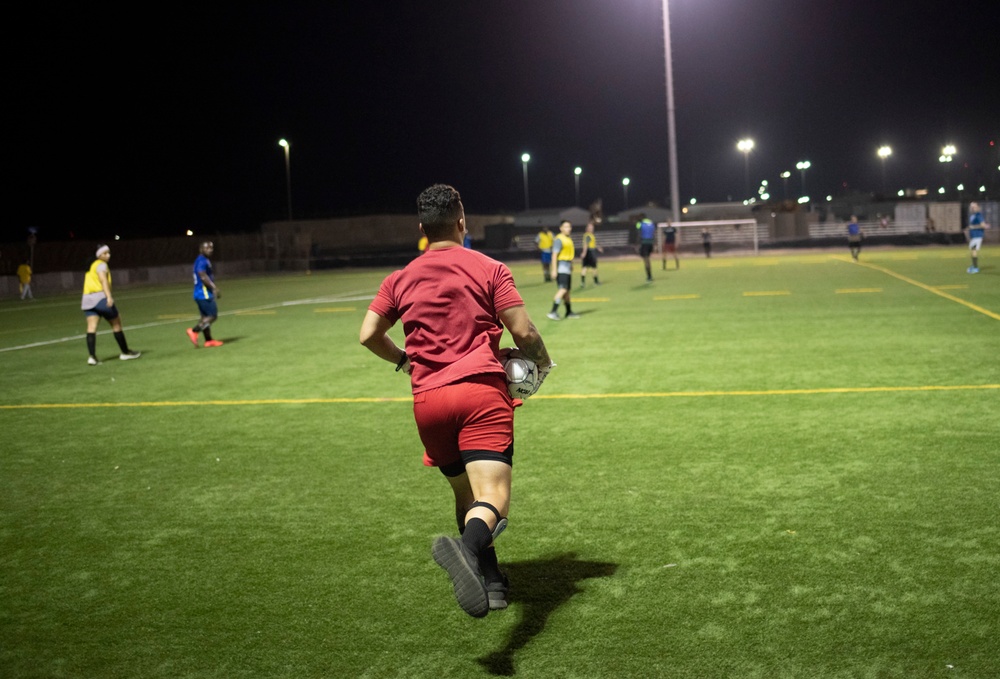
x=524, y=166
x=625, y=183
x=746, y=146
x=883, y=153
x=785, y=175
x=577, y=171
x=283, y=143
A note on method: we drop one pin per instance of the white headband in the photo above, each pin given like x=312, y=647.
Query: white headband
x=101, y=250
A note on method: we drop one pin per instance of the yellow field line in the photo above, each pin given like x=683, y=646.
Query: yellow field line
x=928, y=288
x=951, y=287
x=767, y=293
x=405, y=399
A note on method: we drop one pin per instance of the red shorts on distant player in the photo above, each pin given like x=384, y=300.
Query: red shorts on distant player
x=473, y=415
x=670, y=247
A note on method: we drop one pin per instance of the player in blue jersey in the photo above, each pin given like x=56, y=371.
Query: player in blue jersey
x=205, y=294
x=647, y=239
x=854, y=236
x=974, y=234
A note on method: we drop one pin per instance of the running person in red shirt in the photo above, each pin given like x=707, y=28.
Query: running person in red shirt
x=454, y=304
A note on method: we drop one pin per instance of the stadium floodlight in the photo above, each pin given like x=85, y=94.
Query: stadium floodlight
x=577, y=171
x=803, y=200
x=283, y=143
x=525, y=157
x=625, y=182
x=784, y=176
x=745, y=146
x=802, y=166
x=883, y=153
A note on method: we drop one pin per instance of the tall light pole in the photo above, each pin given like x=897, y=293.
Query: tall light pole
x=883, y=153
x=524, y=166
x=283, y=143
x=947, y=154
x=577, y=171
x=625, y=183
x=785, y=175
x=675, y=197
x=746, y=146
x=802, y=166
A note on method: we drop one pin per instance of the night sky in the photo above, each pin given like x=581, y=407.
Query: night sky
x=166, y=116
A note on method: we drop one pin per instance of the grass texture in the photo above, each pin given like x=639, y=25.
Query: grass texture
x=775, y=466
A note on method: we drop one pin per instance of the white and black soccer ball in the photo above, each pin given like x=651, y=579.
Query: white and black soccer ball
x=522, y=374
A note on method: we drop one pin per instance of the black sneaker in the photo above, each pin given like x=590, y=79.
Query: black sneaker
x=451, y=555
x=496, y=592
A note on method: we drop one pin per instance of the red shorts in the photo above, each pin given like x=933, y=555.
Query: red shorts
x=670, y=247
x=474, y=415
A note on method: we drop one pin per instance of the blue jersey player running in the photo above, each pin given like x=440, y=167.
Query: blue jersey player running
x=205, y=294
x=974, y=234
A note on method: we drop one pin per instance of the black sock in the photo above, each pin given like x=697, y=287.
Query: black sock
x=596, y=281
x=975, y=262
x=555, y=307
x=477, y=536
x=92, y=343
x=120, y=338
x=489, y=566
x=569, y=309
x=208, y=333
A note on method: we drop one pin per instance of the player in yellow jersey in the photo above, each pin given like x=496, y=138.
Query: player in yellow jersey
x=97, y=303
x=544, y=242
x=588, y=257
x=562, y=270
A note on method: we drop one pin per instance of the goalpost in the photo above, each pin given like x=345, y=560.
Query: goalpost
x=725, y=234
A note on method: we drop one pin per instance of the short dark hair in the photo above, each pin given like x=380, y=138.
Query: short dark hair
x=438, y=208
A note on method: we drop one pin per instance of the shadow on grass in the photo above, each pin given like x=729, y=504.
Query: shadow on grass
x=537, y=589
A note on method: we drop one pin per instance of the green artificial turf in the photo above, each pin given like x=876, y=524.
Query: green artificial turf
x=775, y=466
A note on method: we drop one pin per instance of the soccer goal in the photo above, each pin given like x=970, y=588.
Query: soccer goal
x=717, y=235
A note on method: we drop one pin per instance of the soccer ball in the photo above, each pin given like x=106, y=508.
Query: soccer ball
x=522, y=374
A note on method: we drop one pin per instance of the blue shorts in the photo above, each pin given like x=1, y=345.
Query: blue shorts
x=108, y=313
x=207, y=307
x=546, y=258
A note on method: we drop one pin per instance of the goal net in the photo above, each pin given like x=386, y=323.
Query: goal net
x=715, y=235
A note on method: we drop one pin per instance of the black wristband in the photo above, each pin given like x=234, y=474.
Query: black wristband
x=399, y=366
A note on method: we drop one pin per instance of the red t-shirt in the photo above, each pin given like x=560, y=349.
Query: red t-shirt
x=449, y=300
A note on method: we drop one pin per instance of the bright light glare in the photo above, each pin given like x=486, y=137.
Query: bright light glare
x=900, y=193
x=625, y=181
x=745, y=145
x=803, y=200
x=190, y=232
x=949, y=150
x=577, y=171
x=961, y=187
x=786, y=174
x=803, y=165
x=941, y=190
x=694, y=201
x=283, y=143
x=884, y=152
x=525, y=157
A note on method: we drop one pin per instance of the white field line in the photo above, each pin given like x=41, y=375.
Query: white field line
x=347, y=297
